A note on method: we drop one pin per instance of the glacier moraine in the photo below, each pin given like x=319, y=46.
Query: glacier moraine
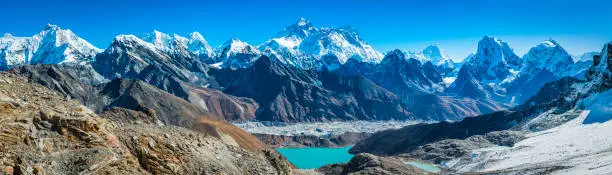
x=323, y=128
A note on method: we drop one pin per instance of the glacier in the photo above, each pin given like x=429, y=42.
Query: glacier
x=323, y=128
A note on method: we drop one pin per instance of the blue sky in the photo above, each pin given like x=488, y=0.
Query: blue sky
x=456, y=26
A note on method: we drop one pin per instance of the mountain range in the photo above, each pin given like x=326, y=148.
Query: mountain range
x=161, y=104
x=492, y=79
x=547, y=130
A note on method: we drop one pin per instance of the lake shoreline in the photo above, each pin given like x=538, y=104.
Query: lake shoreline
x=313, y=158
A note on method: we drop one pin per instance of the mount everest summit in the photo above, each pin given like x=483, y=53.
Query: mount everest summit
x=303, y=45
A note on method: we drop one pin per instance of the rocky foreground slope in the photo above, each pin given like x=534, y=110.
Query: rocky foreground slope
x=44, y=133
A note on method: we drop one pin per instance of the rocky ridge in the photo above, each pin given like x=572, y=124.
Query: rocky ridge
x=46, y=133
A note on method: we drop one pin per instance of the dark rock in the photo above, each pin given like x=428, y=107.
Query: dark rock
x=370, y=164
x=290, y=94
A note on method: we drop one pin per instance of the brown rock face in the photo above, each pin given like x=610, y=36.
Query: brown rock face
x=44, y=133
x=231, y=108
x=79, y=83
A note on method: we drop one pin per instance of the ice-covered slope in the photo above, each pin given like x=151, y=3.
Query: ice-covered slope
x=195, y=44
x=302, y=45
x=585, y=57
x=494, y=61
x=442, y=62
x=434, y=54
x=237, y=54
x=551, y=56
x=53, y=45
x=482, y=74
x=545, y=62
x=131, y=57
x=572, y=148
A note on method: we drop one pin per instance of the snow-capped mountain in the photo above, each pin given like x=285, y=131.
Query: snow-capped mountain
x=544, y=63
x=494, y=61
x=53, y=45
x=551, y=56
x=237, y=54
x=442, y=62
x=601, y=71
x=301, y=43
x=131, y=57
x=434, y=54
x=177, y=44
x=585, y=57
x=494, y=64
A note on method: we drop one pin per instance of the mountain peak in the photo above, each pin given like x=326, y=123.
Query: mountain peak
x=125, y=38
x=234, y=46
x=234, y=42
x=52, y=45
x=549, y=43
x=303, y=22
x=491, y=40
x=396, y=52
x=434, y=53
x=301, y=29
x=551, y=56
x=196, y=36
x=52, y=27
x=393, y=57
x=494, y=61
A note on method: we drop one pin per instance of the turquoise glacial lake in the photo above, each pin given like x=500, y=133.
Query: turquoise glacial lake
x=310, y=158
x=425, y=167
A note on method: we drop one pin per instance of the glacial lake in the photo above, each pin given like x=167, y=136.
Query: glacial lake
x=310, y=158
x=425, y=167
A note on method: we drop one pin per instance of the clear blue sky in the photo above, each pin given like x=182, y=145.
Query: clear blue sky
x=455, y=25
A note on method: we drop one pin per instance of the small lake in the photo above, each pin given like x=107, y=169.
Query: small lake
x=310, y=158
x=425, y=167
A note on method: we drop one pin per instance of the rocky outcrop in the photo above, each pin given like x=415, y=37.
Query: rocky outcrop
x=44, y=133
x=163, y=108
x=367, y=164
x=445, y=150
x=290, y=94
x=342, y=140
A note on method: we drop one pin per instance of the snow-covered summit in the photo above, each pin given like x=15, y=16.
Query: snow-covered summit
x=551, y=56
x=53, y=45
x=494, y=61
x=237, y=54
x=132, y=40
x=303, y=44
x=303, y=28
x=433, y=54
x=195, y=44
x=236, y=46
